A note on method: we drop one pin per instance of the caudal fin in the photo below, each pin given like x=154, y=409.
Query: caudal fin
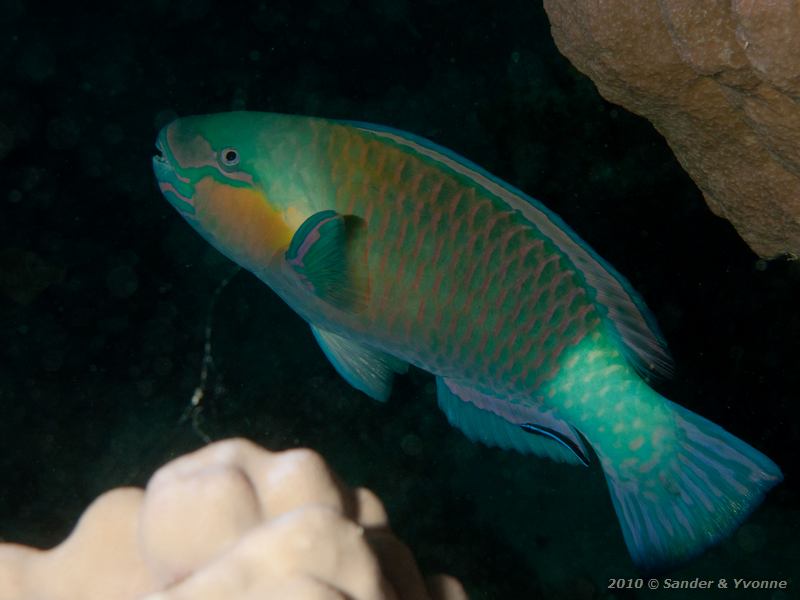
x=693, y=498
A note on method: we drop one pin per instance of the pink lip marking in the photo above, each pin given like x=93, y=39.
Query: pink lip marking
x=168, y=187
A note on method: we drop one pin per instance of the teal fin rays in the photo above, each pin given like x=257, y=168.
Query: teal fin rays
x=368, y=370
x=694, y=497
x=549, y=437
x=326, y=254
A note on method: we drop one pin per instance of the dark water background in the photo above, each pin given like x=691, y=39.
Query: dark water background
x=104, y=289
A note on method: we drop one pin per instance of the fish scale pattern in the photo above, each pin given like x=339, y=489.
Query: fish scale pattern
x=466, y=282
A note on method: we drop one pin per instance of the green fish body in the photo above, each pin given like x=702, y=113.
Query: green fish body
x=397, y=252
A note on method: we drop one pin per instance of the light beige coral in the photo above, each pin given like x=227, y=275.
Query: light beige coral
x=720, y=80
x=231, y=521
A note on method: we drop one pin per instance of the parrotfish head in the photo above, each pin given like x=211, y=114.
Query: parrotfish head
x=219, y=172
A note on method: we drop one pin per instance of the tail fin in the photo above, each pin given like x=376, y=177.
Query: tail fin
x=695, y=497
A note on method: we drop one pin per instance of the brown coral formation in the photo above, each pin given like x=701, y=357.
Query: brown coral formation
x=720, y=79
x=229, y=522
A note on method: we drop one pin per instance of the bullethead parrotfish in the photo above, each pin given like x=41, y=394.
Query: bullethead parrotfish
x=399, y=252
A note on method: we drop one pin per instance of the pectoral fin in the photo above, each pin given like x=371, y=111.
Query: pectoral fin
x=366, y=369
x=327, y=252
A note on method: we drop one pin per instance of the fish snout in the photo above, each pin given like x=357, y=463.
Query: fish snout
x=175, y=187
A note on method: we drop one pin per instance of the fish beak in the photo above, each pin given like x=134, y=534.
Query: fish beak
x=161, y=163
x=161, y=155
x=175, y=187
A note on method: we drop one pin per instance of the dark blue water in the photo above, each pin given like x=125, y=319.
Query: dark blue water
x=104, y=290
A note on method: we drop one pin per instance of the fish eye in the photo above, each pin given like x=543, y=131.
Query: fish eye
x=229, y=157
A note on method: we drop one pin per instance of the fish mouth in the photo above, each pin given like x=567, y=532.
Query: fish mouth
x=177, y=189
x=161, y=155
x=161, y=164
x=161, y=159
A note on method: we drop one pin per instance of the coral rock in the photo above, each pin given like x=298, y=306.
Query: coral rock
x=721, y=82
x=231, y=521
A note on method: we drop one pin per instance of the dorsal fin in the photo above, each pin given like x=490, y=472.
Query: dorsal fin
x=624, y=311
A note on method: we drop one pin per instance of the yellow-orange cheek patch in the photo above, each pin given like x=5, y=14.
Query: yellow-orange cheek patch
x=242, y=219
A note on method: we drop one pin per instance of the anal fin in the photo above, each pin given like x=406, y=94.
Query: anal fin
x=498, y=422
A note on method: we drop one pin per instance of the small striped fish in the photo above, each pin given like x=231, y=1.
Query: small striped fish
x=397, y=251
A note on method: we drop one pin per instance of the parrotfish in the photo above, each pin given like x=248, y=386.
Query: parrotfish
x=399, y=252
